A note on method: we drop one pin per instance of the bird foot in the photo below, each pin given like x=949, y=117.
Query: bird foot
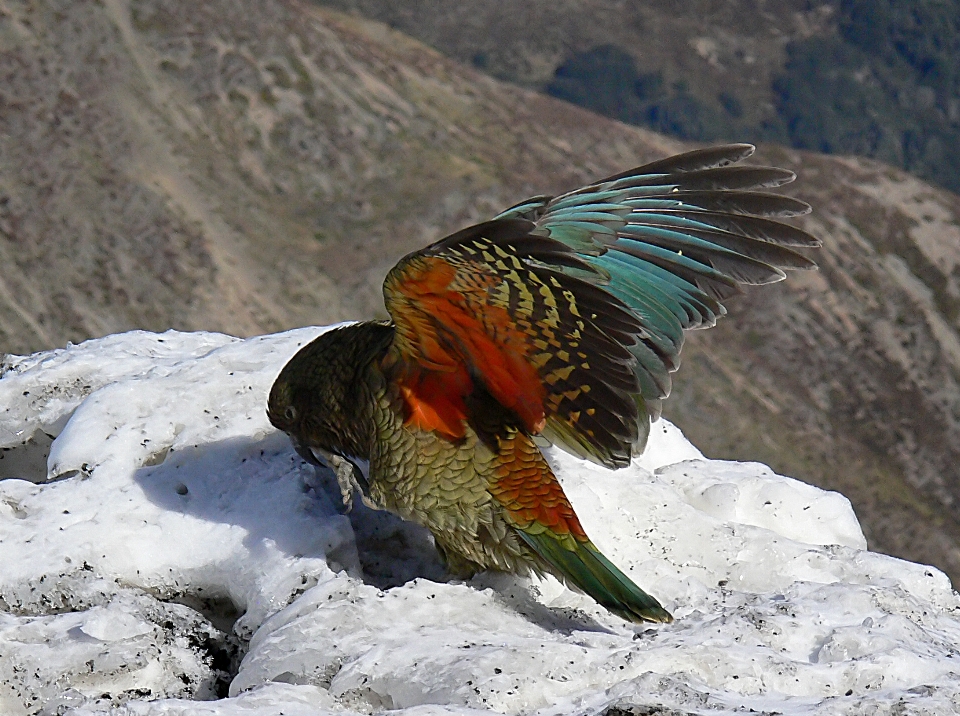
x=346, y=473
x=349, y=477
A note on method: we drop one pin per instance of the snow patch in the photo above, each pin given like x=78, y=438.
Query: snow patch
x=176, y=550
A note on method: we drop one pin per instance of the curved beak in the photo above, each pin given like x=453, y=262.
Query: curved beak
x=307, y=453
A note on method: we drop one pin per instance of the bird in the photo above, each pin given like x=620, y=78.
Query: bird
x=559, y=321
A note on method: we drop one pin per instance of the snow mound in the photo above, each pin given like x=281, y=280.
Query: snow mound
x=175, y=555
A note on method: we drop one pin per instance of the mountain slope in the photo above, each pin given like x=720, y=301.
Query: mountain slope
x=696, y=70
x=248, y=167
x=874, y=78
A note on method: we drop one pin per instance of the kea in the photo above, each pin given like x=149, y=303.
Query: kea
x=558, y=321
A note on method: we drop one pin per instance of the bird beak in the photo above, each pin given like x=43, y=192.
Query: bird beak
x=308, y=454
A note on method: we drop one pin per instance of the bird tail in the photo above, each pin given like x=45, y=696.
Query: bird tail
x=583, y=566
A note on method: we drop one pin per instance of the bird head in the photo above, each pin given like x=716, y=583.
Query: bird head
x=307, y=400
x=286, y=411
x=282, y=411
x=320, y=397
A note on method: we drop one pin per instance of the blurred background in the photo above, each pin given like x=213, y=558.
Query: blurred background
x=252, y=166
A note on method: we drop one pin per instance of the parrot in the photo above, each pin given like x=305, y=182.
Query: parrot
x=557, y=322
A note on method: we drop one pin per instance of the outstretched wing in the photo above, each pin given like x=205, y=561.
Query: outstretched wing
x=570, y=311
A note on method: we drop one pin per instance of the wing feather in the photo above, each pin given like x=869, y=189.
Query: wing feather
x=570, y=311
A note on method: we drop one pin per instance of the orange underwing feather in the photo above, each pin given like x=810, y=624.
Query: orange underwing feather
x=448, y=331
x=530, y=323
x=434, y=401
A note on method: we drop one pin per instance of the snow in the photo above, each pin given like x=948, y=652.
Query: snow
x=175, y=550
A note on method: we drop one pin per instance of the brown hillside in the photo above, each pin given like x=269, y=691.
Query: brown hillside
x=710, y=48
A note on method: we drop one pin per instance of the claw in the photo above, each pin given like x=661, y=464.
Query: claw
x=344, y=470
x=349, y=477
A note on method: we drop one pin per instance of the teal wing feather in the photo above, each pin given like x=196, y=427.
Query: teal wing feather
x=671, y=240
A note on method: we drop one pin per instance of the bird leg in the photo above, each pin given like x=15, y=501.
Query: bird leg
x=349, y=476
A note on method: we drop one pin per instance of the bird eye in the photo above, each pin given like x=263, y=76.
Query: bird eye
x=290, y=413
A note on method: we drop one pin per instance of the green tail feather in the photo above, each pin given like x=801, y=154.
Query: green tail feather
x=588, y=570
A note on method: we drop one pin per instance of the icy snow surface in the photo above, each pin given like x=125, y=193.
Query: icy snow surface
x=177, y=549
